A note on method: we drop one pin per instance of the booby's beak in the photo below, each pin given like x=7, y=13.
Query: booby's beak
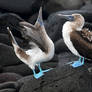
x=68, y=17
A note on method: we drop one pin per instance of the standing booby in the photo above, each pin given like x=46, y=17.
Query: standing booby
x=42, y=47
x=77, y=38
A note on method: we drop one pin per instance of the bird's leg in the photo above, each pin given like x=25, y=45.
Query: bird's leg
x=78, y=63
x=43, y=70
x=37, y=75
x=39, y=67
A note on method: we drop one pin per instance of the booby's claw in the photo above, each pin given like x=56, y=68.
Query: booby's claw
x=47, y=70
x=38, y=75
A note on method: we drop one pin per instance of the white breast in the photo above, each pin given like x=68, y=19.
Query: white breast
x=36, y=55
x=66, y=36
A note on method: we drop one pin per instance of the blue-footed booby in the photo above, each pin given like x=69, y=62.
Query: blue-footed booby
x=42, y=47
x=77, y=38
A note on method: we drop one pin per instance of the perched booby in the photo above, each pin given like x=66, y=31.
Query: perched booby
x=77, y=38
x=42, y=47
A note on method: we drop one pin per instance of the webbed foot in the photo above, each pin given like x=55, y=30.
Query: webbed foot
x=78, y=63
x=38, y=75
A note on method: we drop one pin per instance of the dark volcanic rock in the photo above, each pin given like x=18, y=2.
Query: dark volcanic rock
x=33, y=18
x=4, y=38
x=70, y=4
x=21, y=69
x=53, y=26
x=52, y=6
x=64, y=79
x=60, y=46
x=12, y=85
x=58, y=5
x=87, y=6
x=8, y=90
x=5, y=77
x=24, y=70
x=65, y=58
x=1, y=69
x=20, y=6
x=10, y=20
x=23, y=80
x=7, y=56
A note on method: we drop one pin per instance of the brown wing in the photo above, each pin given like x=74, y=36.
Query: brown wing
x=19, y=51
x=87, y=34
x=35, y=33
x=81, y=43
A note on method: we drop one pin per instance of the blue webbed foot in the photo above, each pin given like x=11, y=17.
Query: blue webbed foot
x=41, y=73
x=38, y=75
x=77, y=63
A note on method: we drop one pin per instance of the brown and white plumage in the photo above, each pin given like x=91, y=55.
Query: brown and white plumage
x=82, y=41
x=77, y=38
x=42, y=46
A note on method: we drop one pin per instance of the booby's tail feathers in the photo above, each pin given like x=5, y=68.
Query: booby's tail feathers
x=12, y=37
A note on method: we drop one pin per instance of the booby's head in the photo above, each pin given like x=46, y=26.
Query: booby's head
x=76, y=21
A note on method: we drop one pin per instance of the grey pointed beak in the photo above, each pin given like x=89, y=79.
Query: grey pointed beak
x=67, y=17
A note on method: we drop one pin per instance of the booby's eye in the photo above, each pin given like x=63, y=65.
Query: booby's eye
x=71, y=18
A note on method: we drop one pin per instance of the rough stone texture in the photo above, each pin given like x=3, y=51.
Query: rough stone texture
x=87, y=7
x=21, y=69
x=12, y=85
x=67, y=80
x=66, y=57
x=58, y=5
x=53, y=6
x=7, y=56
x=8, y=90
x=5, y=77
x=70, y=4
x=4, y=38
x=10, y=20
x=60, y=46
x=20, y=6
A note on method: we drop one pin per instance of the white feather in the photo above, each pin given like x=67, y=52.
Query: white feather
x=66, y=36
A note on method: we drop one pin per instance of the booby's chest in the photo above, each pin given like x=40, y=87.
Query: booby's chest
x=66, y=37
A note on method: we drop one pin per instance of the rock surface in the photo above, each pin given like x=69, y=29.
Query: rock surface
x=7, y=56
x=6, y=77
x=70, y=4
x=20, y=6
x=67, y=80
